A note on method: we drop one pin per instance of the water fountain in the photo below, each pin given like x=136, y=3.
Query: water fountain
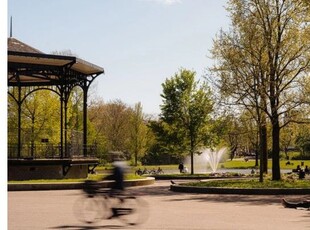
x=207, y=157
x=214, y=157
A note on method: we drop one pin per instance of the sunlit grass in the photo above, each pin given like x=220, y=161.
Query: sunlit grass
x=250, y=183
x=286, y=182
x=242, y=164
x=95, y=177
x=201, y=175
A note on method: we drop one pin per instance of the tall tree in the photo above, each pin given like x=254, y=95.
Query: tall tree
x=138, y=133
x=185, y=113
x=267, y=53
x=118, y=127
x=113, y=121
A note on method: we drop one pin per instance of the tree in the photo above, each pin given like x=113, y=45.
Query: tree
x=40, y=119
x=112, y=121
x=118, y=127
x=185, y=113
x=302, y=141
x=240, y=70
x=138, y=133
x=286, y=38
x=267, y=57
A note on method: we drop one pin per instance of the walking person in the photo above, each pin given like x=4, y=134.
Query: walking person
x=181, y=167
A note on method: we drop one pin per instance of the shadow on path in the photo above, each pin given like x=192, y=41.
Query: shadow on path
x=81, y=227
x=162, y=188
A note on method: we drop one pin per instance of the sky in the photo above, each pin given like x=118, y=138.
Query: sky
x=139, y=43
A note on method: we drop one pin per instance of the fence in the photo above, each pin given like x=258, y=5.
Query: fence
x=40, y=151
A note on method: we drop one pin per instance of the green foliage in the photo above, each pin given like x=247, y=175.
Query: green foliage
x=118, y=127
x=40, y=117
x=138, y=138
x=303, y=141
x=263, y=63
x=183, y=126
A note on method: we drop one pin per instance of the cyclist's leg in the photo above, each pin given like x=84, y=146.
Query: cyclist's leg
x=89, y=209
x=133, y=210
x=115, y=200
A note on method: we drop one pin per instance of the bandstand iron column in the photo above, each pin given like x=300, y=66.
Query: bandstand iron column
x=85, y=90
x=19, y=104
x=85, y=87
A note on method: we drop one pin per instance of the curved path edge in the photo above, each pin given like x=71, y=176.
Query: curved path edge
x=74, y=185
x=257, y=191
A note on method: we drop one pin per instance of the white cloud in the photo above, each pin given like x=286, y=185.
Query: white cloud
x=166, y=2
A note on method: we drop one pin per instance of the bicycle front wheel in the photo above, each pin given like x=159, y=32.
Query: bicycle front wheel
x=133, y=210
x=89, y=209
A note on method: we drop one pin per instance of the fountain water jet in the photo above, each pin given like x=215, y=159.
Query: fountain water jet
x=207, y=156
x=214, y=157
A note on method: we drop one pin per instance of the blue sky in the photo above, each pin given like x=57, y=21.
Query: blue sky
x=139, y=43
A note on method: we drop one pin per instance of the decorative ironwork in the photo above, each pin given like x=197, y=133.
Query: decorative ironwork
x=60, y=74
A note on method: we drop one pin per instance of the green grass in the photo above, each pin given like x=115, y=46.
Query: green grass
x=241, y=164
x=198, y=175
x=96, y=177
x=290, y=181
x=235, y=164
x=238, y=163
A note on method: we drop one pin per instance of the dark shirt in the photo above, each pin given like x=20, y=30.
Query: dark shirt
x=118, y=177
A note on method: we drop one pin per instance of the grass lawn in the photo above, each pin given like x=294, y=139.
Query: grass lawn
x=238, y=163
x=234, y=164
x=241, y=164
x=252, y=183
x=96, y=177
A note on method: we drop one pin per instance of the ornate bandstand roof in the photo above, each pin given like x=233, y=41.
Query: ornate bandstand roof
x=28, y=66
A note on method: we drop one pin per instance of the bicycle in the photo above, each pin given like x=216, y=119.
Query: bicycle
x=150, y=172
x=97, y=204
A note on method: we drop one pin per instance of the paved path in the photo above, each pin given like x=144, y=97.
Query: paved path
x=168, y=210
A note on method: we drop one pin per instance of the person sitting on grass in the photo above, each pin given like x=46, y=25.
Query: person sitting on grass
x=302, y=204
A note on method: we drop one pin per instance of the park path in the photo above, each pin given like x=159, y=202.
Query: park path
x=167, y=210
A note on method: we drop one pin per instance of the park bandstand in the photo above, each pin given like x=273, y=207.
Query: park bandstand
x=30, y=70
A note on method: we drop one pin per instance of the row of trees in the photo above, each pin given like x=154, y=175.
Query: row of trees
x=190, y=121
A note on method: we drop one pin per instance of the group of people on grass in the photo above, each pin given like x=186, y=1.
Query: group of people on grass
x=301, y=171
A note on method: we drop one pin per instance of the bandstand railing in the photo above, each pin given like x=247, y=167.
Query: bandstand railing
x=43, y=151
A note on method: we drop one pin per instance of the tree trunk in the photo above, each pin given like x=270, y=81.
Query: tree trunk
x=256, y=158
x=276, y=175
x=264, y=148
x=136, y=158
x=192, y=162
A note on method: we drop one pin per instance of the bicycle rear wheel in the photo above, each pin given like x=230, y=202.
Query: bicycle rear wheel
x=89, y=209
x=133, y=210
